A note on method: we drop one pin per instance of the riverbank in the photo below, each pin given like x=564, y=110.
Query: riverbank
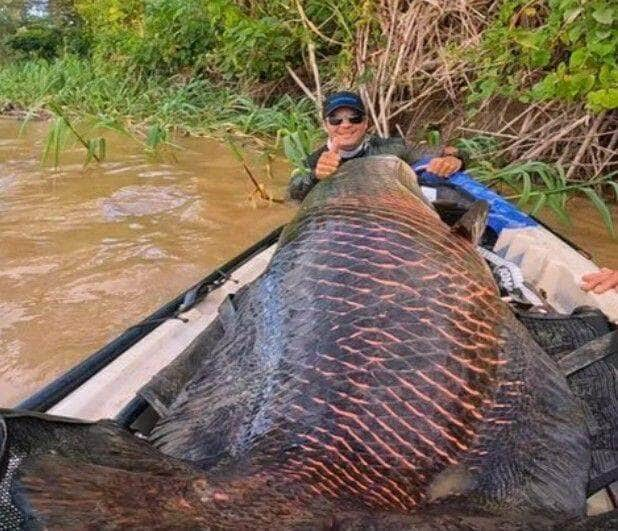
x=525, y=91
x=539, y=79
x=154, y=109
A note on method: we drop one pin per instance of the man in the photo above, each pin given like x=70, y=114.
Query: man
x=346, y=123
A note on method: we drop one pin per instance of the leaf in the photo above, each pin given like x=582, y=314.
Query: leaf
x=554, y=203
x=540, y=58
x=578, y=57
x=603, y=99
x=102, y=148
x=234, y=148
x=547, y=173
x=604, y=15
x=90, y=148
x=614, y=185
x=57, y=143
x=601, y=48
x=606, y=215
x=571, y=14
x=156, y=135
x=608, y=77
x=561, y=174
x=538, y=205
x=575, y=33
x=581, y=83
x=526, y=189
x=525, y=38
x=487, y=87
x=433, y=138
x=546, y=88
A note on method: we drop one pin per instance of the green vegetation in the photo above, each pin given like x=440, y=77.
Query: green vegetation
x=534, y=184
x=195, y=105
x=556, y=49
x=180, y=65
x=513, y=82
x=538, y=185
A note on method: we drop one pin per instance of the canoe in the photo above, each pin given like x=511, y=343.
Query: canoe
x=131, y=378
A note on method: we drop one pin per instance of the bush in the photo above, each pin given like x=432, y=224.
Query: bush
x=213, y=37
x=36, y=41
x=177, y=34
x=551, y=50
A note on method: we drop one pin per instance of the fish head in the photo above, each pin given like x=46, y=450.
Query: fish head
x=369, y=180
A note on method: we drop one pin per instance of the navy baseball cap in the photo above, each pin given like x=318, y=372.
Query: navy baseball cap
x=343, y=99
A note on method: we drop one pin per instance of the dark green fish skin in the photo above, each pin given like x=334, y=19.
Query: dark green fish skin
x=372, y=378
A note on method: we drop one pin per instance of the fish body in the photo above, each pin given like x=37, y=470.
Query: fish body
x=375, y=354
x=372, y=370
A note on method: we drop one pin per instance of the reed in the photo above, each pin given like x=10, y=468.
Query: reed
x=537, y=185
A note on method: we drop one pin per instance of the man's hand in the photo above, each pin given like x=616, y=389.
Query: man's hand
x=444, y=166
x=328, y=162
x=601, y=281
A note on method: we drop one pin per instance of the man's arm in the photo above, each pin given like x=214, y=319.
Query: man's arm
x=444, y=161
x=302, y=182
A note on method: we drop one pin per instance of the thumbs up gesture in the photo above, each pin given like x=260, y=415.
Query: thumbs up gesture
x=328, y=162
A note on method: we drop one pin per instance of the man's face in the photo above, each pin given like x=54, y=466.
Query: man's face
x=345, y=133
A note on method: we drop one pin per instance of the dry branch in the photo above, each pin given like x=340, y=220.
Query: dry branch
x=302, y=85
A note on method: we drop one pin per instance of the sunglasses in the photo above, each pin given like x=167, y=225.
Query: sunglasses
x=355, y=119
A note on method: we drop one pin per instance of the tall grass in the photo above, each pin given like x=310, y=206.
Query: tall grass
x=83, y=88
x=536, y=185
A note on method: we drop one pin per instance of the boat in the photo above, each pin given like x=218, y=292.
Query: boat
x=134, y=377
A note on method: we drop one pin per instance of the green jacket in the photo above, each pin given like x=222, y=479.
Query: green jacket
x=302, y=182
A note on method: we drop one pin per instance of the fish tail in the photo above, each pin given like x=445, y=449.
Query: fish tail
x=61, y=473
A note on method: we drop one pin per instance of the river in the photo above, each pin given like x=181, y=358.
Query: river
x=87, y=252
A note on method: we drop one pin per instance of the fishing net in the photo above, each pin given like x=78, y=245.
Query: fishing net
x=11, y=458
x=592, y=374
x=559, y=334
x=597, y=387
x=10, y=517
x=595, y=383
x=65, y=468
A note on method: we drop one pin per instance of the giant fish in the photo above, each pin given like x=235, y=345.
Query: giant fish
x=371, y=377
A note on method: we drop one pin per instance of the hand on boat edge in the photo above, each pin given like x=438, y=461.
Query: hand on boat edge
x=600, y=281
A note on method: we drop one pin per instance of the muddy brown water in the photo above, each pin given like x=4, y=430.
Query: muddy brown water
x=85, y=253
x=587, y=231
